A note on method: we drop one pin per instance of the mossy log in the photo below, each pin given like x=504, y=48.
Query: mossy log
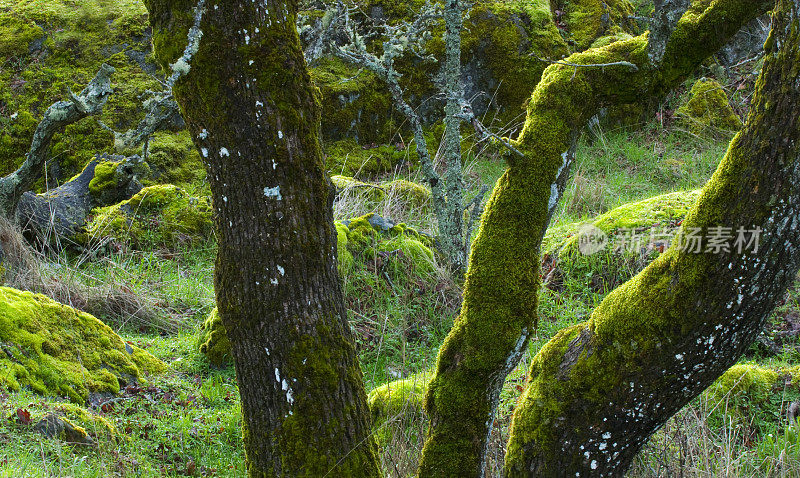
x=59, y=217
x=500, y=295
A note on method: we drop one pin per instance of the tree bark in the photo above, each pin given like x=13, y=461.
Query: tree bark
x=599, y=389
x=252, y=110
x=500, y=295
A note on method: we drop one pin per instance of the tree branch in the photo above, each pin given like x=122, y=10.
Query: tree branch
x=59, y=115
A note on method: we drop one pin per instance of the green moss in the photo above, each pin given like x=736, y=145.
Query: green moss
x=16, y=35
x=664, y=210
x=174, y=159
x=213, y=341
x=15, y=140
x=413, y=194
x=635, y=234
x=348, y=158
x=588, y=20
x=752, y=397
x=708, y=111
x=56, y=350
x=398, y=405
x=77, y=37
x=160, y=216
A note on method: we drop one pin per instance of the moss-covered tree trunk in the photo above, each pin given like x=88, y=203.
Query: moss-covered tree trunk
x=599, y=389
x=253, y=112
x=500, y=297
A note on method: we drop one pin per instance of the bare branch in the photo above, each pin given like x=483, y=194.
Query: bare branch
x=59, y=115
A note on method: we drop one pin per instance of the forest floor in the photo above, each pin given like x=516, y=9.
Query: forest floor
x=186, y=422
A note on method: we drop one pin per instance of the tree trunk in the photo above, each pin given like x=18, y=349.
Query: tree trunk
x=451, y=224
x=500, y=295
x=599, y=389
x=252, y=110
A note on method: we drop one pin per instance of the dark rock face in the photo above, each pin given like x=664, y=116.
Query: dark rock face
x=747, y=43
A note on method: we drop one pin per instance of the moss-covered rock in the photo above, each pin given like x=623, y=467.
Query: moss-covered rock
x=174, y=159
x=408, y=194
x=213, y=341
x=598, y=255
x=752, y=396
x=48, y=46
x=157, y=216
x=708, y=111
x=55, y=350
x=584, y=21
x=398, y=398
x=348, y=158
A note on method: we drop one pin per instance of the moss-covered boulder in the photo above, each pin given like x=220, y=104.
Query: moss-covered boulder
x=708, y=111
x=401, y=192
x=584, y=21
x=401, y=398
x=174, y=159
x=753, y=397
x=369, y=241
x=157, y=216
x=53, y=349
x=48, y=46
x=350, y=159
x=598, y=255
x=213, y=341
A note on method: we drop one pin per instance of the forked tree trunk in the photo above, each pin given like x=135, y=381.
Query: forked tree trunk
x=500, y=295
x=599, y=389
x=253, y=112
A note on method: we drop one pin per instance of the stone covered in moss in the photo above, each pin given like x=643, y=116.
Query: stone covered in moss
x=753, y=396
x=213, y=341
x=55, y=350
x=348, y=158
x=174, y=159
x=406, y=193
x=157, y=216
x=48, y=46
x=401, y=397
x=708, y=111
x=632, y=236
x=584, y=21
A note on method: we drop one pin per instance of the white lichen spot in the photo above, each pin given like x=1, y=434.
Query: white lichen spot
x=273, y=193
x=281, y=270
x=204, y=152
x=593, y=465
x=679, y=356
x=259, y=104
x=273, y=281
x=203, y=134
x=266, y=349
x=250, y=62
x=280, y=134
x=224, y=152
x=277, y=375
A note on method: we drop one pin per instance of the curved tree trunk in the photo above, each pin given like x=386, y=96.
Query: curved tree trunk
x=500, y=295
x=251, y=108
x=599, y=389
